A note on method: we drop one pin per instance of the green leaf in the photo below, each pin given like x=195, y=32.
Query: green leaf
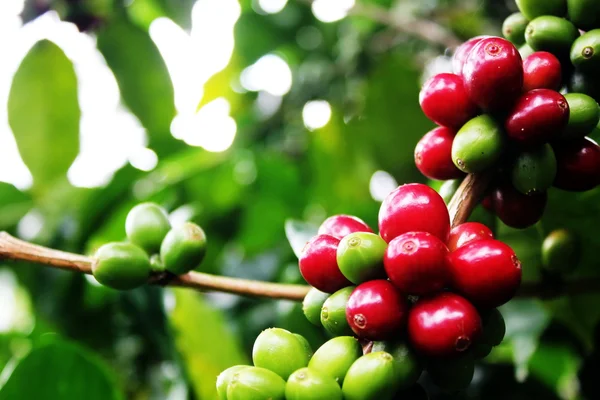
x=43, y=112
x=58, y=370
x=204, y=341
x=298, y=233
x=14, y=204
x=557, y=365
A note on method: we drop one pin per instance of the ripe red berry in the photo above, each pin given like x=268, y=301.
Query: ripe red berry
x=416, y=263
x=487, y=272
x=537, y=117
x=318, y=264
x=466, y=233
x=443, y=325
x=516, y=209
x=493, y=73
x=462, y=51
x=433, y=155
x=444, y=100
x=541, y=70
x=341, y=225
x=376, y=310
x=578, y=165
x=413, y=207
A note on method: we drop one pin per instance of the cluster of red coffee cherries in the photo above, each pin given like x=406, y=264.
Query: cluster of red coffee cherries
x=418, y=279
x=500, y=113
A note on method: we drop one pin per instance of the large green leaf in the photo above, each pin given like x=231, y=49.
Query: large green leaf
x=43, y=112
x=557, y=365
x=58, y=370
x=203, y=340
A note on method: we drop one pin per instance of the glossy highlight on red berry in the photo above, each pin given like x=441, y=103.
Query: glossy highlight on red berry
x=444, y=100
x=466, y=233
x=342, y=225
x=433, y=155
x=318, y=264
x=578, y=165
x=541, y=70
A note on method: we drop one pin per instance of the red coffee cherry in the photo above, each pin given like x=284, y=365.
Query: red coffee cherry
x=443, y=325
x=444, y=100
x=413, y=208
x=466, y=233
x=516, y=209
x=318, y=264
x=341, y=225
x=433, y=155
x=416, y=263
x=487, y=272
x=578, y=165
x=493, y=74
x=541, y=70
x=376, y=310
x=537, y=117
x=462, y=51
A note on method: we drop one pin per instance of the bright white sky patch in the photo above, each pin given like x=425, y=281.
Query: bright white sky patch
x=272, y=6
x=316, y=114
x=331, y=10
x=270, y=73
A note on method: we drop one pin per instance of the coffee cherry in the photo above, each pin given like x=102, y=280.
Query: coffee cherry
x=585, y=52
x=307, y=347
x=493, y=73
x=279, y=351
x=452, y=374
x=534, y=8
x=360, y=256
x=372, y=376
x=433, y=155
x=462, y=51
x=487, y=272
x=578, y=165
x=156, y=264
x=443, y=325
x=584, y=115
x=586, y=83
x=552, y=34
x=525, y=51
x=516, y=209
x=560, y=251
x=541, y=70
x=466, y=233
x=444, y=100
x=533, y=171
x=478, y=145
x=224, y=379
x=415, y=262
x=312, y=305
x=537, y=117
x=407, y=364
x=448, y=189
x=513, y=28
x=121, y=266
x=340, y=226
x=147, y=225
x=494, y=327
x=308, y=384
x=376, y=310
x=413, y=208
x=335, y=357
x=255, y=383
x=183, y=249
x=585, y=14
x=333, y=313
x=318, y=264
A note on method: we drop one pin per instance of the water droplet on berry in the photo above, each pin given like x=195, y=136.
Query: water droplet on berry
x=360, y=320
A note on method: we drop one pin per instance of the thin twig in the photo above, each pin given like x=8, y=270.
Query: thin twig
x=467, y=196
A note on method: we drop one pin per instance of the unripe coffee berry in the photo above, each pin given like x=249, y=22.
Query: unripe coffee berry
x=147, y=225
x=560, y=251
x=372, y=376
x=360, y=256
x=255, y=383
x=551, y=33
x=376, y=310
x=478, y=145
x=433, y=155
x=513, y=28
x=487, y=272
x=280, y=351
x=533, y=171
x=578, y=165
x=444, y=100
x=584, y=115
x=333, y=313
x=443, y=325
x=224, y=379
x=408, y=366
x=335, y=357
x=121, y=266
x=307, y=384
x=312, y=305
x=468, y=232
x=340, y=226
x=413, y=208
x=318, y=264
x=535, y=8
x=183, y=249
x=541, y=70
x=416, y=263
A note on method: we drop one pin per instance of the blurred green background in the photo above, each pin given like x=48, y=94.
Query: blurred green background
x=238, y=115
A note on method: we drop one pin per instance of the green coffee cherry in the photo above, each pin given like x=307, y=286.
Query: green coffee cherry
x=147, y=225
x=478, y=145
x=525, y=51
x=371, y=377
x=586, y=83
x=452, y=374
x=407, y=364
x=307, y=347
x=584, y=115
x=494, y=327
x=183, y=249
x=312, y=305
x=335, y=357
x=333, y=313
x=308, y=384
x=156, y=264
x=254, y=383
x=360, y=256
x=121, y=266
x=513, y=28
x=448, y=189
x=280, y=351
x=533, y=171
x=553, y=34
x=224, y=378
x=585, y=51
x=560, y=251
x=534, y=8
x=585, y=14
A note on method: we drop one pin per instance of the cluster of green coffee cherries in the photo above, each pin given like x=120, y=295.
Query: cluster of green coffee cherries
x=152, y=246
